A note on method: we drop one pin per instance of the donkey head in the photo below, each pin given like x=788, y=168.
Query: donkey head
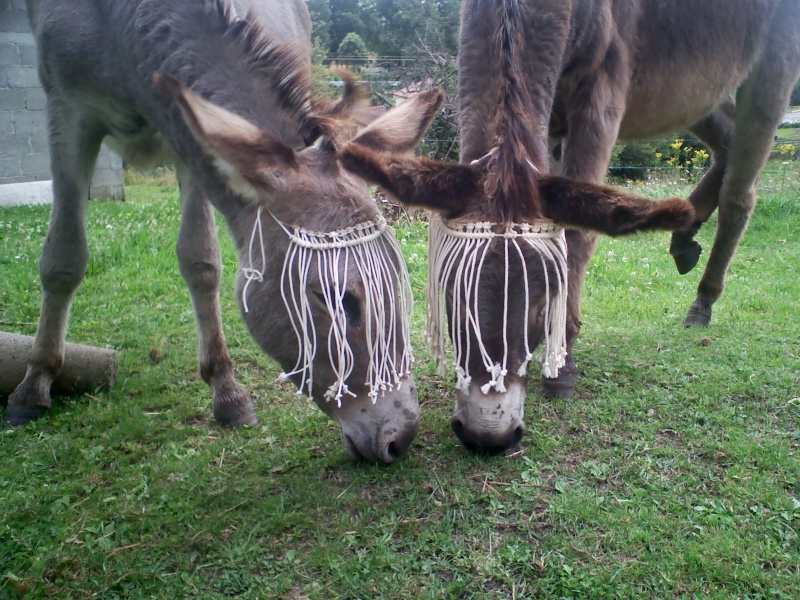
x=498, y=270
x=323, y=287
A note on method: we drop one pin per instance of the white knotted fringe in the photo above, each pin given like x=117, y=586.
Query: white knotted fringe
x=456, y=254
x=372, y=250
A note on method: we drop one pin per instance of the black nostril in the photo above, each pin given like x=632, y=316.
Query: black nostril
x=484, y=442
x=464, y=435
x=518, y=433
x=399, y=444
x=392, y=452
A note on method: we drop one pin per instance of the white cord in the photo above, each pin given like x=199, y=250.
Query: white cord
x=457, y=251
x=373, y=251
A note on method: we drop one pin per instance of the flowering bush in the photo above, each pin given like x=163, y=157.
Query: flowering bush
x=788, y=151
x=687, y=156
x=637, y=160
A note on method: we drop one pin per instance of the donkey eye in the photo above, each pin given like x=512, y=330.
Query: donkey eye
x=538, y=315
x=350, y=305
x=352, y=308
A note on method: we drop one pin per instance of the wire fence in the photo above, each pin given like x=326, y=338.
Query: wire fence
x=781, y=174
x=395, y=77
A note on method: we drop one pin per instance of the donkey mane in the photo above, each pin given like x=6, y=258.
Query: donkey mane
x=511, y=184
x=280, y=63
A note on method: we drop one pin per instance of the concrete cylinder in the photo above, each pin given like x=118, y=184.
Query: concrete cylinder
x=86, y=368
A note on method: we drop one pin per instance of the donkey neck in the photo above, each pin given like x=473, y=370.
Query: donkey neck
x=258, y=72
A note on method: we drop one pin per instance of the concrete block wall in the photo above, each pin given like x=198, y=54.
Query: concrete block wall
x=23, y=119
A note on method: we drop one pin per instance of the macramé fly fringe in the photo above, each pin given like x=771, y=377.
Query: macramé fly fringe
x=456, y=254
x=373, y=251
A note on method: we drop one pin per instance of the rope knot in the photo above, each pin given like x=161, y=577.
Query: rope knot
x=252, y=274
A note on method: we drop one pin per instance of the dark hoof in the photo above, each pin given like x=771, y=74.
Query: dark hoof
x=698, y=316
x=233, y=408
x=562, y=386
x=22, y=414
x=686, y=256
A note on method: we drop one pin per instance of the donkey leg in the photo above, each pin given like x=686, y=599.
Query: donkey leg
x=580, y=249
x=201, y=268
x=594, y=121
x=73, y=150
x=757, y=117
x=715, y=131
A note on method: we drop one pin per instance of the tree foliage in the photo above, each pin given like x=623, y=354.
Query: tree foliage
x=795, y=101
x=352, y=45
x=388, y=27
x=320, y=20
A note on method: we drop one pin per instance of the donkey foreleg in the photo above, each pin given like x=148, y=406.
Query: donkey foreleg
x=593, y=125
x=201, y=268
x=65, y=255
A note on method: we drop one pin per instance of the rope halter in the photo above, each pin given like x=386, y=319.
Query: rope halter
x=457, y=251
x=373, y=252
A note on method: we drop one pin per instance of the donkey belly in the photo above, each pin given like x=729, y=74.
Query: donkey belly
x=688, y=57
x=128, y=133
x=673, y=103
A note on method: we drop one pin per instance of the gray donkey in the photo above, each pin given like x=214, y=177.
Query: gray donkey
x=223, y=88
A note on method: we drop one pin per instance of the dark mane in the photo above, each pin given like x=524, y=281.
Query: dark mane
x=511, y=181
x=228, y=57
x=281, y=63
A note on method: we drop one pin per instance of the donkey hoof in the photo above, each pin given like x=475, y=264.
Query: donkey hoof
x=235, y=409
x=686, y=256
x=698, y=316
x=22, y=414
x=562, y=386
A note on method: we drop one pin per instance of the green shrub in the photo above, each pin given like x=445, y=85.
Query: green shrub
x=353, y=46
x=795, y=99
x=633, y=161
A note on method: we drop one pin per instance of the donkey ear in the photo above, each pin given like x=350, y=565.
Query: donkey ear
x=608, y=210
x=402, y=128
x=415, y=181
x=247, y=156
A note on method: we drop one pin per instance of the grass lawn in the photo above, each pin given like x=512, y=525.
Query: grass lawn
x=675, y=472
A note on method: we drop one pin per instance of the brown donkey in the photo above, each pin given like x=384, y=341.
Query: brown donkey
x=499, y=260
x=598, y=70
x=223, y=89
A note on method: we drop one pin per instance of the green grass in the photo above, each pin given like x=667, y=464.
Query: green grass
x=675, y=473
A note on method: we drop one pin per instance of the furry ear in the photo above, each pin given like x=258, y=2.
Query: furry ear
x=415, y=181
x=247, y=156
x=340, y=121
x=402, y=128
x=607, y=210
